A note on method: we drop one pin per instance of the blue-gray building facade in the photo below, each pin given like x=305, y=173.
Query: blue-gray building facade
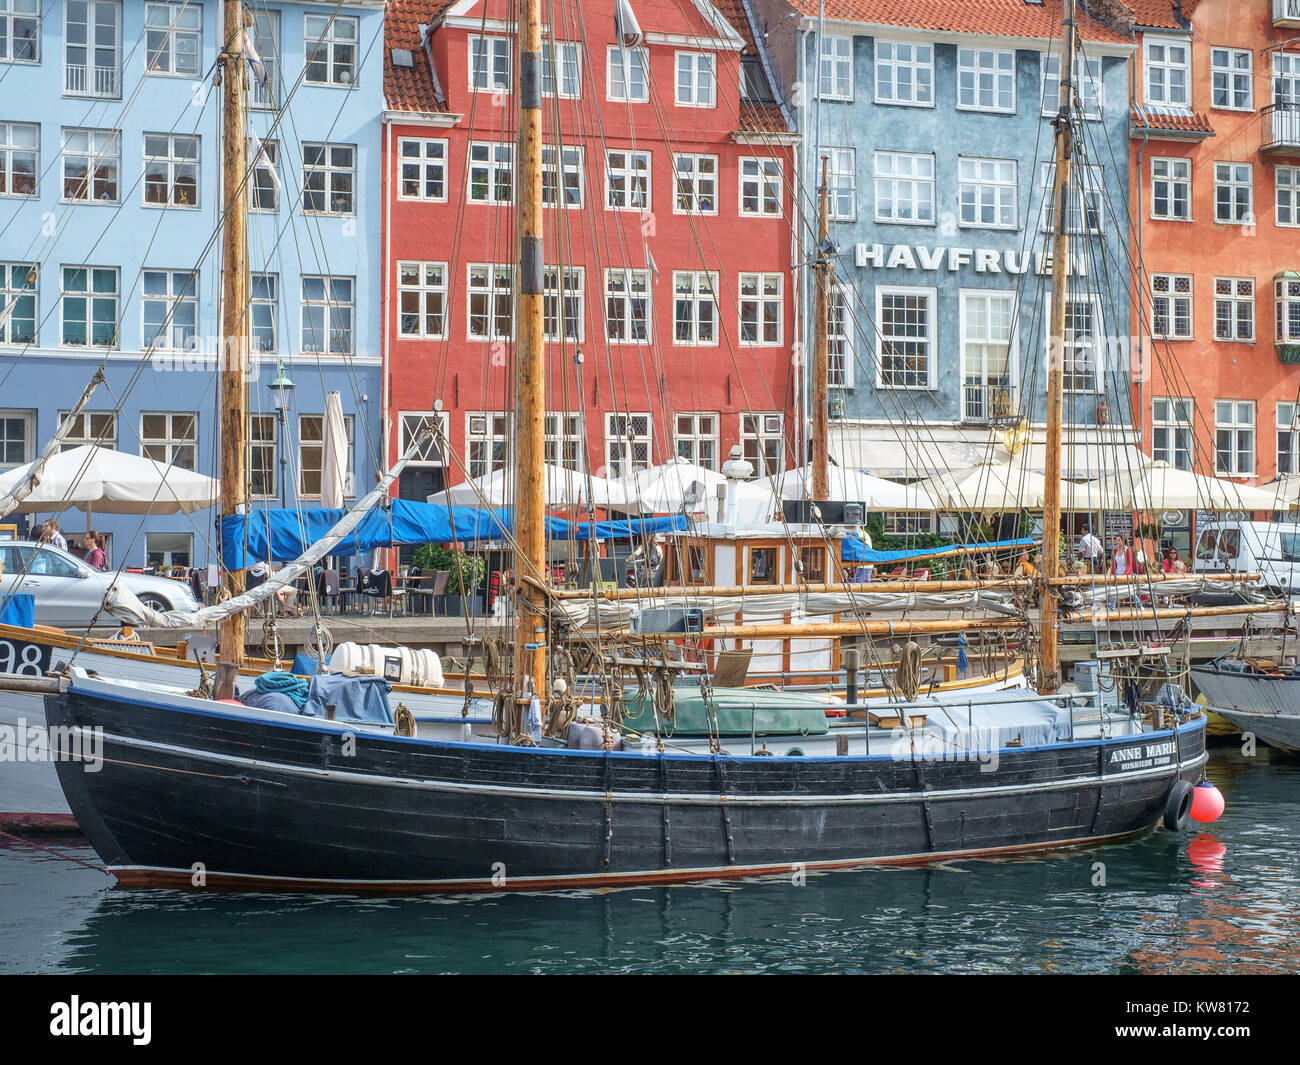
x=110, y=211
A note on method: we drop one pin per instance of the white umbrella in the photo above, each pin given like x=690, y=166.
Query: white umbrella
x=662, y=489
x=986, y=487
x=1285, y=492
x=1161, y=486
x=564, y=488
x=334, y=453
x=850, y=485
x=93, y=478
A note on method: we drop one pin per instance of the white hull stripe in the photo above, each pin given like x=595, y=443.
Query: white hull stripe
x=642, y=798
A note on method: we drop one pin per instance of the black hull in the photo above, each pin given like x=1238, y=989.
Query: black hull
x=194, y=797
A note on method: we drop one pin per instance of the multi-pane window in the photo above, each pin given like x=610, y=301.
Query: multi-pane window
x=266, y=39
x=90, y=295
x=836, y=69
x=628, y=75
x=842, y=183
x=18, y=303
x=763, y=440
x=839, y=340
x=1234, y=437
x=1288, y=439
x=422, y=300
x=986, y=80
x=1287, y=183
x=262, y=455
x=1286, y=309
x=563, y=441
x=327, y=310
x=311, y=454
x=696, y=79
x=330, y=45
x=760, y=187
x=695, y=308
x=562, y=177
x=171, y=169
x=1230, y=79
x=20, y=144
x=1085, y=199
x=905, y=320
x=1171, y=189
x=264, y=188
x=1081, y=345
x=904, y=73
x=1088, y=87
x=1171, y=431
x=563, y=302
x=90, y=427
x=761, y=307
x=695, y=438
x=430, y=452
x=1234, y=308
x=1167, y=64
x=92, y=159
x=17, y=429
x=697, y=184
x=489, y=64
x=627, y=181
x=908, y=523
x=561, y=69
x=986, y=190
x=264, y=312
x=486, y=439
x=1233, y=198
x=986, y=323
x=20, y=31
x=173, y=39
x=169, y=310
x=627, y=443
x=329, y=173
x=1171, y=306
x=171, y=438
x=904, y=188
x=92, y=48
x=491, y=172
x=627, y=305
x=423, y=165
x=491, y=302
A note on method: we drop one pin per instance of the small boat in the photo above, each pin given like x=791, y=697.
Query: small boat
x=1254, y=697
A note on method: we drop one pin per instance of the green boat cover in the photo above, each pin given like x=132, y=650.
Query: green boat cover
x=740, y=712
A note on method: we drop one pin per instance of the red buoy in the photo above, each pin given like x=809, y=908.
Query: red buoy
x=1207, y=803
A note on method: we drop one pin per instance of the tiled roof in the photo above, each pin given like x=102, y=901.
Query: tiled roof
x=1157, y=122
x=1002, y=18
x=734, y=12
x=762, y=118
x=410, y=88
x=1161, y=14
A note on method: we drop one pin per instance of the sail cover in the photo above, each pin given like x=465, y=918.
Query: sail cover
x=856, y=551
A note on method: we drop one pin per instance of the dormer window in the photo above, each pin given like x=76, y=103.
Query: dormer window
x=1167, y=65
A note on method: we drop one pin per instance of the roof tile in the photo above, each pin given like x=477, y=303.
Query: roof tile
x=410, y=88
x=1002, y=18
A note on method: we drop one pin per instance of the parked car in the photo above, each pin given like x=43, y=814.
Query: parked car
x=68, y=592
x=1271, y=549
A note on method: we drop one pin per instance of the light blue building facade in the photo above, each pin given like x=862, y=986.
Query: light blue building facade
x=939, y=147
x=110, y=208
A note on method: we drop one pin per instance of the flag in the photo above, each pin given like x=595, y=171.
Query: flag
x=255, y=63
x=260, y=158
x=626, y=27
x=650, y=262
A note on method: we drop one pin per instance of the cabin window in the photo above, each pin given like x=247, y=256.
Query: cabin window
x=813, y=561
x=690, y=564
x=763, y=565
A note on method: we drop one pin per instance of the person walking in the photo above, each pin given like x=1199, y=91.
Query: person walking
x=95, y=557
x=1090, y=549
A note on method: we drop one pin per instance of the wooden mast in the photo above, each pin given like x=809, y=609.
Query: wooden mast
x=1049, y=665
x=234, y=303
x=819, y=487
x=530, y=367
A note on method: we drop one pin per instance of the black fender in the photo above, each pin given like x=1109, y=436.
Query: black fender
x=1178, y=804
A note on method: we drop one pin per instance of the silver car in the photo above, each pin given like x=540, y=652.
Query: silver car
x=68, y=592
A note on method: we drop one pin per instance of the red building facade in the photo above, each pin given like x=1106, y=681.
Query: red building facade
x=670, y=308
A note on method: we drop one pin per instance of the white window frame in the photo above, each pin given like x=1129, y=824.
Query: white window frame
x=1087, y=196
x=334, y=311
x=760, y=181
x=29, y=14
x=977, y=79
x=1286, y=310
x=261, y=184
x=701, y=79
x=569, y=56
x=905, y=171
x=487, y=442
x=1227, y=175
x=180, y=435
x=1226, y=78
x=263, y=455
x=493, y=160
x=498, y=283
x=918, y=64
x=627, y=434
x=930, y=298
x=835, y=67
x=427, y=285
x=1288, y=439
x=83, y=433
x=564, y=305
x=986, y=343
x=1096, y=345
x=109, y=156
x=179, y=301
x=91, y=296
x=695, y=428
x=1162, y=87
x=762, y=432
x=264, y=311
x=424, y=166
x=702, y=291
x=10, y=148
x=1175, y=294
x=1172, y=165
x=177, y=163
x=28, y=418
x=498, y=74
x=1286, y=196
x=626, y=61
x=265, y=32
x=842, y=183
x=1233, y=424
x=563, y=444
x=697, y=180
x=1239, y=297
x=411, y=423
x=315, y=446
x=334, y=34
x=763, y=300
x=95, y=80
x=556, y=177
x=19, y=281
x=908, y=522
x=624, y=291
x=181, y=28
x=327, y=167
x=840, y=357
x=982, y=176
x=1089, y=87
x=1173, y=416
x=633, y=170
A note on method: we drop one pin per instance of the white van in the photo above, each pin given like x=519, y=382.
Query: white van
x=1269, y=548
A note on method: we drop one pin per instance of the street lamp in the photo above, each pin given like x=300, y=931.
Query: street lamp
x=282, y=393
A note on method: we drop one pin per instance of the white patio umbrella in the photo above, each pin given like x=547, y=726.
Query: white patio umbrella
x=850, y=485
x=661, y=489
x=93, y=478
x=1285, y=492
x=986, y=487
x=564, y=487
x=334, y=457
x=1161, y=486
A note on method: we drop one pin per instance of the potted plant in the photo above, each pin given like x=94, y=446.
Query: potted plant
x=466, y=576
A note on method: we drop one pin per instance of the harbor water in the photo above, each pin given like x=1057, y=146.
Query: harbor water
x=1223, y=899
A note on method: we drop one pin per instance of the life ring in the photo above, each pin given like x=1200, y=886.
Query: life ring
x=1178, y=805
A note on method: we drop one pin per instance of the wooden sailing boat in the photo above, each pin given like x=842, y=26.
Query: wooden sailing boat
x=197, y=793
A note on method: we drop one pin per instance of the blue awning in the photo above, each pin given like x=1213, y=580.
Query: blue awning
x=856, y=551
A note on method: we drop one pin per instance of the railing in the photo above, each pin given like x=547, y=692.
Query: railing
x=988, y=402
x=1286, y=12
x=82, y=80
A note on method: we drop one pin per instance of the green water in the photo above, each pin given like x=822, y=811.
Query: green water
x=1221, y=900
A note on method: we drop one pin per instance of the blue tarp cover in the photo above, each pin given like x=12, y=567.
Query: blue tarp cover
x=19, y=610
x=283, y=535
x=857, y=551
